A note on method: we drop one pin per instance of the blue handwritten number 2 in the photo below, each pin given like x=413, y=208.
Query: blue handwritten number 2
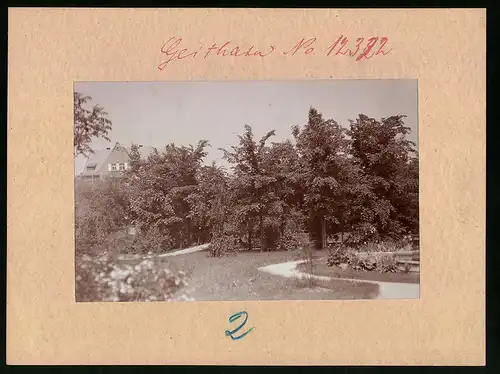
x=233, y=318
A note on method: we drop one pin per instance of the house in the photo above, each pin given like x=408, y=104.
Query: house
x=110, y=162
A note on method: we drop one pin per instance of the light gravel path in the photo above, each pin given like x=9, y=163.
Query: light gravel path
x=387, y=290
x=185, y=251
x=168, y=254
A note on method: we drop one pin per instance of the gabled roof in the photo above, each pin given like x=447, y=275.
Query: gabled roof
x=98, y=158
x=95, y=159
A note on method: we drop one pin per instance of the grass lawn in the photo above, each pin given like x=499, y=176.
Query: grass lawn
x=320, y=268
x=236, y=277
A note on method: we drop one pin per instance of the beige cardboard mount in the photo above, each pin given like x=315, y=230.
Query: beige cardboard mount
x=49, y=49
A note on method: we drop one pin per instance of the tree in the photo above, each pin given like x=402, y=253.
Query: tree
x=161, y=190
x=208, y=202
x=251, y=181
x=390, y=164
x=100, y=210
x=405, y=198
x=89, y=124
x=286, y=195
x=322, y=147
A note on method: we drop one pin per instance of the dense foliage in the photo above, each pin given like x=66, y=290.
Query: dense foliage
x=89, y=124
x=359, y=184
x=101, y=278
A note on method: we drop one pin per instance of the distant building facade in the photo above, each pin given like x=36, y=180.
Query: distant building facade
x=111, y=162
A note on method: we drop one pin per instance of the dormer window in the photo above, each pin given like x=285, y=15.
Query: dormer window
x=122, y=166
x=113, y=167
x=91, y=167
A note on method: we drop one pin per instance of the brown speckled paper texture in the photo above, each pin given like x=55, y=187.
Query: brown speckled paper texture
x=49, y=49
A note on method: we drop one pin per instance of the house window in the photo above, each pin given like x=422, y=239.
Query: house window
x=113, y=167
x=91, y=167
x=122, y=166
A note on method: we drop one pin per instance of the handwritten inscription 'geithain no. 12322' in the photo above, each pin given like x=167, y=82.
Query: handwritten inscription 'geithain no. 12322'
x=358, y=49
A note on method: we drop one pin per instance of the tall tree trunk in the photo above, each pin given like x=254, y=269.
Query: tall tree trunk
x=323, y=232
x=249, y=227
x=188, y=232
x=177, y=236
x=281, y=231
x=342, y=227
x=262, y=241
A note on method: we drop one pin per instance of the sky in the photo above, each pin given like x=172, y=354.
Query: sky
x=159, y=113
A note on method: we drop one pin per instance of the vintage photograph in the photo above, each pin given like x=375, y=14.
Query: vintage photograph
x=246, y=190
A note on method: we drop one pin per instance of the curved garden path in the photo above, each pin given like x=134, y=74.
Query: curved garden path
x=168, y=254
x=387, y=290
x=185, y=251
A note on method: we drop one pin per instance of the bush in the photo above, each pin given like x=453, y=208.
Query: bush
x=386, y=246
x=365, y=237
x=100, y=210
x=363, y=234
x=337, y=255
x=149, y=242
x=364, y=264
x=222, y=244
x=356, y=260
x=387, y=264
x=304, y=243
x=120, y=242
x=115, y=243
x=292, y=241
x=100, y=278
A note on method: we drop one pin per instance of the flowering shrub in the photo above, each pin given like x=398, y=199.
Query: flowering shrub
x=102, y=279
x=365, y=264
x=385, y=246
x=387, y=264
x=366, y=261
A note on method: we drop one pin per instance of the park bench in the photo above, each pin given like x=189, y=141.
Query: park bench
x=408, y=259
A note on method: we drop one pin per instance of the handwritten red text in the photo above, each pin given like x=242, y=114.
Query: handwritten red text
x=359, y=49
x=173, y=51
x=373, y=46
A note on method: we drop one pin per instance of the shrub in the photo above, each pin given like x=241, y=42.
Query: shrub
x=365, y=237
x=304, y=243
x=115, y=243
x=337, y=255
x=308, y=256
x=365, y=264
x=365, y=261
x=100, y=210
x=150, y=241
x=386, y=246
x=120, y=242
x=222, y=244
x=288, y=242
x=292, y=241
x=100, y=278
x=363, y=234
x=387, y=264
